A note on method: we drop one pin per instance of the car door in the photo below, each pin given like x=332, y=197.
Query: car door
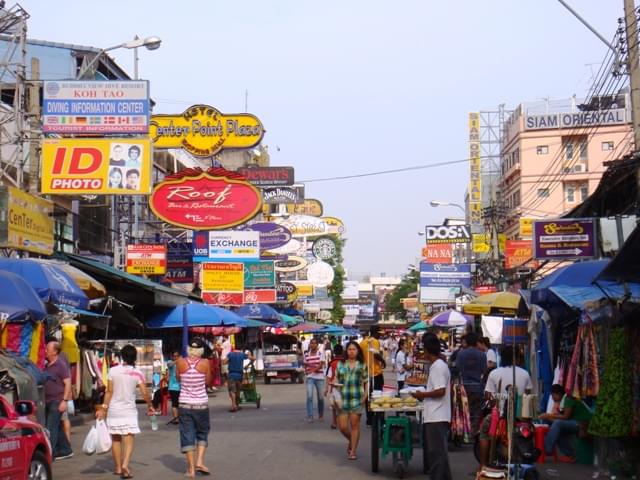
x=11, y=459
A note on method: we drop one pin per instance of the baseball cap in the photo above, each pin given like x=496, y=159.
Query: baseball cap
x=196, y=343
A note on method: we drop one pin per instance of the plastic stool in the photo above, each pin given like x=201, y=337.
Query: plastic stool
x=541, y=431
x=390, y=428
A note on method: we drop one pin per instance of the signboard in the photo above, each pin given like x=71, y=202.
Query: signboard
x=229, y=299
x=146, y=259
x=272, y=235
x=310, y=206
x=324, y=248
x=96, y=166
x=260, y=296
x=95, y=107
x=26, y=222
x=438, y=294
x=286, y=292
x=351, y=310
x=438, y=253
x=320, y=274
x=304, y=225
x=259, y=274
x=234, y=244
x=335, y=225
x=350, y=290
x=203, y=131
x=485, y=289
x=222, y=277
x=517, y=253
x=292, y=264
x=320, y=293
x=567, y=238
x=454, y=275
x=292, y=194
x=179, y=262
x=268, y=176
x=447, y=234
x=475, y=170
x=481, y=242
x=304, y=289
x=211, y=200
x=526, y=227
x=292, y=246
x=614, y=116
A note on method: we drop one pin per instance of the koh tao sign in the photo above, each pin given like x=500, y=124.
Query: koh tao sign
x=203, y=131
x=211, y=200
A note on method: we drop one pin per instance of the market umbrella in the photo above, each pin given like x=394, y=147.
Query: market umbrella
x=260, y=311
x=450, y=318
x=329, y=330
x=89, y=285
x=306, y=327
x=51, y=283
x=18, y=301
x=197, y=315
x=421, y=325
x=289, y=320
x=498, y=302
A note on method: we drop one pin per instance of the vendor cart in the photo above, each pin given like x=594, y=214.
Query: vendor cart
x=249, y=392
x=397, y=430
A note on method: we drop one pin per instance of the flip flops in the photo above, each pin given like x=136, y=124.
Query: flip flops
x=201, y=470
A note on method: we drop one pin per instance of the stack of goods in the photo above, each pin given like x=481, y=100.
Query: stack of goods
x=393, y=402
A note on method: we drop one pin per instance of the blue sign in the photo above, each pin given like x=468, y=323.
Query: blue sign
x=179, y=263
x=445, y=275
x=201, y=246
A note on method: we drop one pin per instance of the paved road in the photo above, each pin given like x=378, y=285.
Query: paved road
x=272, y=443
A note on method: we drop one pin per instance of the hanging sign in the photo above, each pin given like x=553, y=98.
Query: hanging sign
x=259, y=274
x=448, y=234
x=566, y=238
x=272, y=235
x=203, y=131
x=276, y=195
x=324, y=248
x=320, y=274
x=292, y=264
x=438, y=253
x=526, y=227
x=260, y=296
x=304, y=225
x=454, y=275
x=211, y=200
x=310, y=206
x=286, y=292
x=268, y=176
x=292, y=246
x=335, y=225
x=179, y=263
x=222, y=277
x=145, y=259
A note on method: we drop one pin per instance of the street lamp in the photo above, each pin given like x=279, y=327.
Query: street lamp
x=150, y=43
x=438, y=203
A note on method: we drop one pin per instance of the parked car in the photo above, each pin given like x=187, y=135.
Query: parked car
x=281, y=358
x=25, y=450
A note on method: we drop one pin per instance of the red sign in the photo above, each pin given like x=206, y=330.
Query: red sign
x=517, y=253
x=438, y=253
x=147, y=259
x=484, y=289
x=211, y=200
x=260, y=296
x=223, y=298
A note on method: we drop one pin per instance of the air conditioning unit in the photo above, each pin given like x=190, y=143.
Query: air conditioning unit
x=579, y=168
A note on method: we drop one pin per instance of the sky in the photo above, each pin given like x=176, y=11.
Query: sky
x=353, y=87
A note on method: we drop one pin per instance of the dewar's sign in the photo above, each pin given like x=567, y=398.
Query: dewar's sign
x=211, y=200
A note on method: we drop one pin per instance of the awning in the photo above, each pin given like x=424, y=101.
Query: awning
x=79, y=311
x=130, y=288
x=577, y=297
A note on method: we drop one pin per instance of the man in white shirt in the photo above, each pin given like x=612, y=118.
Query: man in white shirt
x=484, y=344
x=403, y=363
x=436, y=402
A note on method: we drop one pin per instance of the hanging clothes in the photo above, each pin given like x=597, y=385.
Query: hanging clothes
x=460, y=416
x=583, y=378
x=69, y=344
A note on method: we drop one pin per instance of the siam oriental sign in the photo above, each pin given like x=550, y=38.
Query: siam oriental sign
x=211, y=200
x=268, y=176
x=616, y=116
x=203, y=131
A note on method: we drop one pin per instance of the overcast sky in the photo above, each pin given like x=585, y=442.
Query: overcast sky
x=347, y=87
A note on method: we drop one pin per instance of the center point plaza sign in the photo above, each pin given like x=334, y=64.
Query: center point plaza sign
x=211, y=200
x=203, y=131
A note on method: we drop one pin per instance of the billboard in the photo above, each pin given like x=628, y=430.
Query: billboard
x=447, y=234
x=96, y=166
x=517, y=253
x=26, y=222
x=268, y=176
x=259, y=274
x=272, y=235
x=566, y=238
x=614, y=116
x=260, y=296
x=146, y=259
x=222, y=277
x=291, y=194
x=350, y=290
x=438, y=294
x=481, y=242
x=95, y=107
x=179, y=262
x=438, y=253
x=439, y=275
x=526, y=227
x=475, y=170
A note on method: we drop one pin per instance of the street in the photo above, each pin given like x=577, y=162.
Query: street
x=272, y=443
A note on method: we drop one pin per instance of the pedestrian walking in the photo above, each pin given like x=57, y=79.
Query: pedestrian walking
x=174, y=387
x=436, y=401
x=472, y=364
x=314, y=366
x=403, y=363
x=57, y=390
x=194, y=374
x=338, y=356
x=352, y=379
x=120, y=410
x=235, y=360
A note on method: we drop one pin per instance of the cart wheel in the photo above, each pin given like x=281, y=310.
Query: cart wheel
x=375, y=440
x=258, y=402
x=267, y=380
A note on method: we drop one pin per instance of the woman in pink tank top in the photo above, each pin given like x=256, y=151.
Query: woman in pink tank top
x=193, y=409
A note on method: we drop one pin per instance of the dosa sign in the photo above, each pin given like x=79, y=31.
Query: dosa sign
x=448, y=234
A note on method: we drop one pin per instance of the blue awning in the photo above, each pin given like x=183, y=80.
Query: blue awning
x=576, y=297
x=79, y=311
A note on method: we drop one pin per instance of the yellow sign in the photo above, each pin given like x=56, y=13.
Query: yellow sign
x=475, y=213
x=526, y=227
x=29, y=221
x=335, y=225
x=222, y=277
x=310, y=206
x=304, y=289
x=96, y=166
x=203, y=130
x=475, y=169
x=481, y=242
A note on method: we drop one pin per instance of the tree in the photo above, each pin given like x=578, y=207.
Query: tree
x=409, y=284
x=337, y=286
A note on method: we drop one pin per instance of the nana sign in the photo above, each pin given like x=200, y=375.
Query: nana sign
x=203, y=131
x=566, y=238
x=211, y=200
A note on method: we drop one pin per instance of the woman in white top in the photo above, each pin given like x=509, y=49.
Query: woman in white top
x=120, y=410
x=403, y=363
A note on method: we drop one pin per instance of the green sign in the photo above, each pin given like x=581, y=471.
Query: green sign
x=259, y=274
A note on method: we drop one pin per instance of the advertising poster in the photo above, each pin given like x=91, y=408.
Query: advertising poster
x=438, y=275
x=268, y=176
x=438, y=253
x=28, y=222
x=96, y=166
x=259, y=274
x=517, y=253
x=447, y=234
x=567, y=238
x=222, y=277
x=179, y=262
x=145, y=259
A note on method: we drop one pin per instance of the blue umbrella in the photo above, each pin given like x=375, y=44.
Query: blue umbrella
x=329, y=330
x=195, y=315
x=259, y=311
x=18, y=301
x=51, y=283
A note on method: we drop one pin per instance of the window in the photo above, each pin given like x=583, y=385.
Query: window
x=584, y=191
x=576, y=154
x=568, y=148
x=607, y=146
x=542, y=149
x=570, y=193
x=543, y=193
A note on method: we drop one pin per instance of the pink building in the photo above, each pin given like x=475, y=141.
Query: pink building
x=553, y=153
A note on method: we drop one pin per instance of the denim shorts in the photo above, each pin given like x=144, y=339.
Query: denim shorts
x=194, y=428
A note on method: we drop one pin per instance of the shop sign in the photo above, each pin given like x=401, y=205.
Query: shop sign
x=517, y=253
x=292, y=246
x=179, y=263
x=324, y=315
x=310, y=206
x=320, y=274
x=304, y=225
x=286, y=292
x=475, y=170
x=614, y=116
x=146, y=259
x=95, y=107
x=439, y=275
x=292, y=264
x=324, y=248
x=438, y=253
x=484, y=289
x=226, y=245
x=272, y=235
x=304, y=288
x=311, y=307
x=222, y=277
x=526, y=227
x=228, y=299
x=277, y=195
x=481, y=242
x=335, y=225
x=265, y=255
x=448, y=234
x=203, y=131
x=349, y=320
x=26, y=222
x=438, y=294
x=260, y=296
x=350, y=290
x=566, y=238
x=268, y=176
x=321, y=293
x=351, y=310
x=211, y=200
x=259, y=274
x=96, y=166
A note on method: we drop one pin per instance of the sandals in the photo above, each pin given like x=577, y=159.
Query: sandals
x=232, y=410
x=352, y=456
x=202, y=470
x=126, y=473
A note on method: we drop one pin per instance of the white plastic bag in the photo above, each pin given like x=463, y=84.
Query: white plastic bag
x=91, y=441
x=104, y=439
x=336, y=398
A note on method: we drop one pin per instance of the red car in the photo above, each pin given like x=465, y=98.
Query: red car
x=25, y=450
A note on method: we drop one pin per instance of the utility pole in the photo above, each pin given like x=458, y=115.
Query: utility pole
x=631, y=30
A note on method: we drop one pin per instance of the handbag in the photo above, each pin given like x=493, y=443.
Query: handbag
x=104, y=438
x=91, y=441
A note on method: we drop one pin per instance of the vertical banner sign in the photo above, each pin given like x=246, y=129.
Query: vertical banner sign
x=144, y=259
x=475, y=170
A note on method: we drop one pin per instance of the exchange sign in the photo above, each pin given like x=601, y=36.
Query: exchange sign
x=448, y=234
x=566, y=238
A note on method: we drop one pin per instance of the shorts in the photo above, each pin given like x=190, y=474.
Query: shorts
x=174, y=395
x=194, y=428
x=484, y=428
x=351, y=411
x=235, y=386
x=64, y=416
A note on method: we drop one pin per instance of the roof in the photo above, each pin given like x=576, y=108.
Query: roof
x=66, y=46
